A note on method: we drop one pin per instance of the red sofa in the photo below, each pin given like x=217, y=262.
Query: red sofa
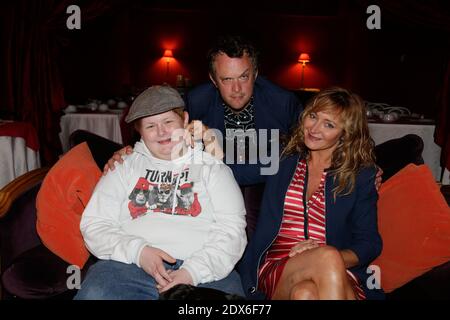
x=30, y=271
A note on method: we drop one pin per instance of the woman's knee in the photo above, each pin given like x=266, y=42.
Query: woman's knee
x=330, y=258
x=331, y=267
x=305, y=290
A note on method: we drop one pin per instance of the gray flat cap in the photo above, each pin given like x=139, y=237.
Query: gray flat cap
x=154, y=100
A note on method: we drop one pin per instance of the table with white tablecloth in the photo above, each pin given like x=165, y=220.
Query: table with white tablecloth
x=19, y=150
x=446, y=177
x=106, y=125
x=382, y=132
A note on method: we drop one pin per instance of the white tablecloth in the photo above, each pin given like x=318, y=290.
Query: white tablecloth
x=382, y=132
x=446, y=177
x=106, y=125
x=16, y=159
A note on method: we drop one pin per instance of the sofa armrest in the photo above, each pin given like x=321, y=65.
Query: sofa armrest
x=39, y=274
x=19, y=186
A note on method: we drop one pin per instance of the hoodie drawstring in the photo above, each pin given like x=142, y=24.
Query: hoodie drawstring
x=174, y=202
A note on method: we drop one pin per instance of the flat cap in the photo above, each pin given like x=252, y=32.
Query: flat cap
x=154, y=100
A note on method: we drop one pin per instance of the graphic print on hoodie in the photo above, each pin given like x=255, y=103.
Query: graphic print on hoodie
x=166, y=192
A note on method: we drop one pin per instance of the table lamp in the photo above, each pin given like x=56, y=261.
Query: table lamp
x=168, y=55
x=303, y=59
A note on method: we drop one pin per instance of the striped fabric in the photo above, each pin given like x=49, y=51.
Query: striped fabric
x=292, y=231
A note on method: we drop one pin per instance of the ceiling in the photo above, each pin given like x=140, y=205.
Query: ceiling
x=290, y=7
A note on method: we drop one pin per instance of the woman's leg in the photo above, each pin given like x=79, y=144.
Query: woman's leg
x=305, y=290
x=323, y=267
x=112, y=280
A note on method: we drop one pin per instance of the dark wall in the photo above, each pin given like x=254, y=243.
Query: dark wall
x=400, y=64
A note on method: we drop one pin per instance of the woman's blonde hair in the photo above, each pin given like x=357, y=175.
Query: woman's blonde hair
x=355, y=147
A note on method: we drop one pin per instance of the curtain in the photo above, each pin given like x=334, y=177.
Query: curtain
x=442, y=133
x=34, y=33
x=435, y=16
x=432, y=14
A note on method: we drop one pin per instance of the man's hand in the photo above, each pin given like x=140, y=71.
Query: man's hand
x=378, y=178
x=180, y=276
x=303, y=246
x=197, y=131
x=151, y=261
x=117, y=156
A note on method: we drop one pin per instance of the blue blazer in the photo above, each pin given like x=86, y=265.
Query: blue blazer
x=275, y=108
x=351, y=223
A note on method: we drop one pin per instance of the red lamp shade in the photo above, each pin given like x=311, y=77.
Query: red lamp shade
x=303, y=58
x=168, y=53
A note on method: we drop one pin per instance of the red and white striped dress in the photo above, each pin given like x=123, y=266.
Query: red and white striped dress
x=292, y=231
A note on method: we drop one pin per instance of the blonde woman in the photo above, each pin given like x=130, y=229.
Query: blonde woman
x=317, y=230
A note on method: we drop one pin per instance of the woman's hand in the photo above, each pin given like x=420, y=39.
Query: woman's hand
x=151, y=261
x=378, y=178
x=303, y=246
x=117, y=156
x=180, y=276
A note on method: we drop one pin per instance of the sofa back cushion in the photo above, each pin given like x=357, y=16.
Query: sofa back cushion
x=60, y=203
x=395, y=154
x=414, y=223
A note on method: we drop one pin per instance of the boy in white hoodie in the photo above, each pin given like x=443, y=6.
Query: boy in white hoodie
x=169, y=214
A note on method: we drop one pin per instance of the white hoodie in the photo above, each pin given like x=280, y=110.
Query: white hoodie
x=191, y=207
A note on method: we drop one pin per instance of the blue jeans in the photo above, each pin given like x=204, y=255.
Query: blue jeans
x=112, y=280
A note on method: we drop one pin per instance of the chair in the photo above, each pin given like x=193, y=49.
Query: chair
x=28, y=269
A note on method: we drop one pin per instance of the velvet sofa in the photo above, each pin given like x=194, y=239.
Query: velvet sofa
x=31, y=271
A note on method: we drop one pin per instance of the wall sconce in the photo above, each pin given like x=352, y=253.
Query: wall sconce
x=303, y=59
x=168, y=55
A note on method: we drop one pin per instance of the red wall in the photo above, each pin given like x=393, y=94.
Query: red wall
x=396, y=65
x=280, y=39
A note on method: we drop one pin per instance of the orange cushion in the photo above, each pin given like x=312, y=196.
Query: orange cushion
x=414, y=223
x=60, y=203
